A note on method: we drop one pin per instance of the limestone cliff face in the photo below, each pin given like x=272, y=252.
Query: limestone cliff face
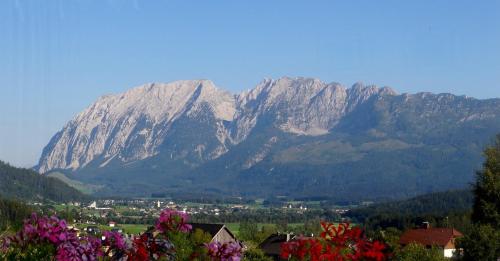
x=133, y=125
x=195, y=122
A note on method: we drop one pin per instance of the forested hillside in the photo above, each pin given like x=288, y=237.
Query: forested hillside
x=441, y=208
x=26, y=184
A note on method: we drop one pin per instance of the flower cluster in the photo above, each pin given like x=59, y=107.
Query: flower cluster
x=114, y=240
x=173, y=221
x=147, y=247
x=224, y=252
x=49, y=238
x=115, y=245
x=85, y=248
x=335, y=243
x=52, y=233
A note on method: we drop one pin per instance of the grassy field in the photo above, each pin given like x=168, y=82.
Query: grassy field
x=127, y=228
x=133, y=228
x=235, y=227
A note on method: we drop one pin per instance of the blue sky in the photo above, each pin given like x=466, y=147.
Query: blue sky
x=57, y=57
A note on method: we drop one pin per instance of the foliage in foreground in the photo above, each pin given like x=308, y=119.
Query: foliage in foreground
x=335, y=243
x=49, y=238
x=418, y=252
x=483, y=242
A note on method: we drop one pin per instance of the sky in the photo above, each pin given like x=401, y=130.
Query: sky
x=57, y=57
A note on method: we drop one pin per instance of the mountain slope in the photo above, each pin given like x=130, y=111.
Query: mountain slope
x=28, y=185
x=134, y=125
x=442, y=209
x=291, y=136
x=437, y=204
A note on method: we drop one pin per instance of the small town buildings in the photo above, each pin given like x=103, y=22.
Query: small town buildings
x=218, y=232
x=443, y=238
x=112, y=224
x=93, y=205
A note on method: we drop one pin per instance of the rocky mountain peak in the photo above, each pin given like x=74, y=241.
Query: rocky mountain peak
x=195, y=121
x=132, y=125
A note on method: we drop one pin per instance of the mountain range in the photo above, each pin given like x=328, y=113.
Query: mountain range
x=285, y=137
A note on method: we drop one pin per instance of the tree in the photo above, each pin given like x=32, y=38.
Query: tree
x=255, y=254
x=282, y=225
x=248, y=231
x=190, y=246
x=486, y=208
x=12, y=213
x=418, y=252
x=482, y=242
x=390, y=236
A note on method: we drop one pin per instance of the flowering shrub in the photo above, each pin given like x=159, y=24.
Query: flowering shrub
x=150, y=247
x=224, y=252
x=49, y=238
x=42, y=237
x=335, y=243
x=173, y=221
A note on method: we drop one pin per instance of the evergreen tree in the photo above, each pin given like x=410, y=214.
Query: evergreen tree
x=486, y=208
x=487, y=188
x=482, y=243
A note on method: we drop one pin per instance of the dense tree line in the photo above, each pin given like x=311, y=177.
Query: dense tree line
x=270, y=215
x=443, y=209
x=26, y=184
x=439, y=203
x=12, y=213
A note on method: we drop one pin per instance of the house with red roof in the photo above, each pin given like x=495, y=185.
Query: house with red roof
x=443, y=238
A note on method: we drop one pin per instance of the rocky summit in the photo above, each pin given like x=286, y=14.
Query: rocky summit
x=290, y=136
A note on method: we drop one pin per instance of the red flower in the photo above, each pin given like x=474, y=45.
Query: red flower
x=335, y=243
x=376, y=251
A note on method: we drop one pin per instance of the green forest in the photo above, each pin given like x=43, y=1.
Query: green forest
x=26, y=184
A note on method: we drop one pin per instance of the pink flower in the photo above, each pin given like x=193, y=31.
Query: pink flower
x=53, y=231
x=224, y=252
x=173, y=221
x=114, y=240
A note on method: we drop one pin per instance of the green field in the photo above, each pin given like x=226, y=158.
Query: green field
x=133, y=228
x=235, y=227
x=127, y=228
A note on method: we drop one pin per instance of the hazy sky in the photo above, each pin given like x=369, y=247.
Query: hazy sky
x=57, y=57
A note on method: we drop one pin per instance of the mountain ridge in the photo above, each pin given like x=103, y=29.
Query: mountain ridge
x=178, y=132
x=225, y=108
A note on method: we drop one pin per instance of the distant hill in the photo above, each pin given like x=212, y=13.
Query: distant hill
x=26, y=184
x=438, y=203
x=405, y=213
x=78, y=185
x=296, y=137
